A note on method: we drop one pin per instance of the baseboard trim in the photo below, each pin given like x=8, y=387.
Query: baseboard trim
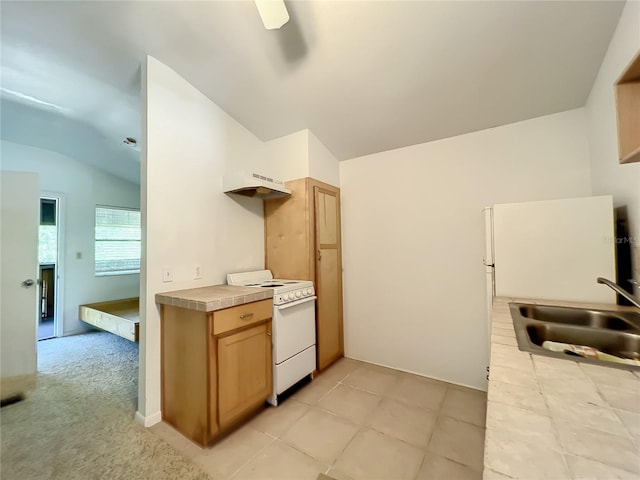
x=419, y=374
x=150, y=420
x=77, y=331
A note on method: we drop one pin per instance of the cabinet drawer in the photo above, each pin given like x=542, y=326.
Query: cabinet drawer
x=241, y=316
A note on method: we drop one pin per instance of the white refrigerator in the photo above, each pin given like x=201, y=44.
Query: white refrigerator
x=551, y=249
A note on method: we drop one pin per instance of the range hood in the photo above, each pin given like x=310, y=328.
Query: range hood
x=251, y=184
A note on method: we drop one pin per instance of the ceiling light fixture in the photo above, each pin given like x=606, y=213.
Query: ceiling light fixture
x=273, y=13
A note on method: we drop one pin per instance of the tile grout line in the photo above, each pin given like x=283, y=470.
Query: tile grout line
x=442, y=414
x=332, y=463
x=255, y=455
x=556, y=431
x=316, y=405
x=362, y=426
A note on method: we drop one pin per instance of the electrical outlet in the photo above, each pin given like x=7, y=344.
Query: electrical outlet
x=167, y=274
x=197, y=272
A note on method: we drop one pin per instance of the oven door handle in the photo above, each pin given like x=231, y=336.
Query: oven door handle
x=296, y=303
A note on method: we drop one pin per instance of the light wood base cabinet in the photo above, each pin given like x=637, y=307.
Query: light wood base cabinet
x=302, y=242
x=243, y=380
x=216, y=367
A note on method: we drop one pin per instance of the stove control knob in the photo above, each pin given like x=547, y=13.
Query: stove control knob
x=307, y=291
x=298, y=294
x=290, y=296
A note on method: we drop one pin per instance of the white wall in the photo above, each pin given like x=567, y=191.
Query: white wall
x=323, y=165
x=83, y=187
x=413, y=236
x=608, y=176
x=300, y=155
x=187, y=220
x=288, y=156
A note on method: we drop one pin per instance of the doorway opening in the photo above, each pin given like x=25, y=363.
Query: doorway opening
x=49, y=268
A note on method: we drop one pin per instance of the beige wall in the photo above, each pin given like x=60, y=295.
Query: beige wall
x=413, y=237
x=300, y=155
x=608, y=176
x=323, y=165
x=190, y=143
x=288, y=156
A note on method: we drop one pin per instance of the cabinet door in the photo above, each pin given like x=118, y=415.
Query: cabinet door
x=244, y=372
x=328, y=276
x=289, y=233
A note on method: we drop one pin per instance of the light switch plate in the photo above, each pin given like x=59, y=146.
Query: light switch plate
x=167, y=274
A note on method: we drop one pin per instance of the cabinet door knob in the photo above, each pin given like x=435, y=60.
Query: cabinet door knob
x=319, y=255
x=246, y=315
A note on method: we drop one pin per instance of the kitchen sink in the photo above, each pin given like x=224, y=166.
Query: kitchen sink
x=611, y=332
x=582, y=317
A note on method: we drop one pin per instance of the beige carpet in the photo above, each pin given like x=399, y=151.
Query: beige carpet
x=78, y=423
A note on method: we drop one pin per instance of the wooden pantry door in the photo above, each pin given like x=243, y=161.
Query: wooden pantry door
x=328, y=276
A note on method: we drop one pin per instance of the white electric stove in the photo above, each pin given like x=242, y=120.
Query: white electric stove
x=293, y=329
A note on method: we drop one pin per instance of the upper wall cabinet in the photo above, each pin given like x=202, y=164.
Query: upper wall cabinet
x=627, y=90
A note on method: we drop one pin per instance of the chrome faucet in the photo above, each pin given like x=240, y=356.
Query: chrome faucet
x=620, y=291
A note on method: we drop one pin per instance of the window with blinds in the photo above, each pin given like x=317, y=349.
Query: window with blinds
x=117, y=241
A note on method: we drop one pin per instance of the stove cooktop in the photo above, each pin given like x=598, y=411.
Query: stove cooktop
x=264, y=279
x=284, y=291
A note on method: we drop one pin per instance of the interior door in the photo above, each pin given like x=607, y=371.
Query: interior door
x=328, y=276
x=20, y=206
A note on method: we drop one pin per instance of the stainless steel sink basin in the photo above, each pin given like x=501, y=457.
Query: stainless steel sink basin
x=582, y=317
x=615, y=333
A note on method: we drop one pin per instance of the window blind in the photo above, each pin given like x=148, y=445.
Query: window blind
x=117, y=241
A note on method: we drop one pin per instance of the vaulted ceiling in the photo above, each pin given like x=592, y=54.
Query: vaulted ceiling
x=364, y=76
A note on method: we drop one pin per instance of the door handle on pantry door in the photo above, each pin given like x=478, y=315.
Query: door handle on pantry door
x=246, y=315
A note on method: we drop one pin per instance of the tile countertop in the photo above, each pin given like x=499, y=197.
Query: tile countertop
x=214, y=297
x=554, y=418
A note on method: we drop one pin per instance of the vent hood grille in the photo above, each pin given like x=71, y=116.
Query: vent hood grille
x=251, y=184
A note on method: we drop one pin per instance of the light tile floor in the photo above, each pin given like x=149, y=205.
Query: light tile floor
x=355, y=421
